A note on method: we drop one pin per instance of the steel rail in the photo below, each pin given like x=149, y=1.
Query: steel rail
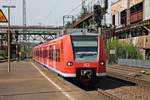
x=108, y=95
x=135, y=79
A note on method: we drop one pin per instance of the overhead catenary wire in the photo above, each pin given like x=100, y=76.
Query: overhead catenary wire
x=80, y=5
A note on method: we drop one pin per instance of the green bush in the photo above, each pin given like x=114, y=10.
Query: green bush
x=2, y=54
x=123, y=50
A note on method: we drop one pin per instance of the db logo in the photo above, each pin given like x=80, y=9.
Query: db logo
x=86, y=64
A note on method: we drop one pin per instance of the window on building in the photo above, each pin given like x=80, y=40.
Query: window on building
x=113, y=19
x=123, y=17
x=136, y=13
x=136, y=8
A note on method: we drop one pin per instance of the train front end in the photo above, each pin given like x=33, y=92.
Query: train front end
x=87, y=52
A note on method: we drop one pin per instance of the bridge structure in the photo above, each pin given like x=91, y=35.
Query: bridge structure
x=31, y=33
x=25, y=38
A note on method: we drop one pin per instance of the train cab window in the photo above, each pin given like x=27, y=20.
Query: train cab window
x=85, y=47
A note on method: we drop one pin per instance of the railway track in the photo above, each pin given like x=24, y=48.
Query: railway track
x=129, y=74
x=123, y=91
x=107, y=95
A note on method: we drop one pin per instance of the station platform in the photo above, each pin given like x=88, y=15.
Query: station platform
x=31, y=81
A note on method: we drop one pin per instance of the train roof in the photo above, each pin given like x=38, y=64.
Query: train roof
x=78, y=31
x=83, y=33
x=71, y=32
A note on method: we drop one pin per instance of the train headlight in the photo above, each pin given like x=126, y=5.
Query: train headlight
x=102, y=63
x=70, y=63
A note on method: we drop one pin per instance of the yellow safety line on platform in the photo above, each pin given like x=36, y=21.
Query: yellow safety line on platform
x=65, y=93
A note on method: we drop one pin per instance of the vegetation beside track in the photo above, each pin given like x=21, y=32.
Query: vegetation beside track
x=123, y=50
x=3, y=55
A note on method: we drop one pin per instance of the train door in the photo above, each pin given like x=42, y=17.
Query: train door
x=42, y=55
x=47, y=57
x=39, y=57
x=54, y=56
x=50, y=56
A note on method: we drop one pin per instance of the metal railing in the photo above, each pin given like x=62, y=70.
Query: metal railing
x=134, y=62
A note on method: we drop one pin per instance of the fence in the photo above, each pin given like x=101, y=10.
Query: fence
x=134, y=62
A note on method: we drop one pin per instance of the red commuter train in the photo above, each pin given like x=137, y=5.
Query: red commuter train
x=77, y=55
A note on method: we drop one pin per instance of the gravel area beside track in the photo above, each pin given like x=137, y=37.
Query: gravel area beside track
x=131, y=93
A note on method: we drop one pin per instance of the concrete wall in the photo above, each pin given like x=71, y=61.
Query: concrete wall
x=146, y=9
x=119, y=6
x=134, y=62
x=134, y=2
x=140, y=41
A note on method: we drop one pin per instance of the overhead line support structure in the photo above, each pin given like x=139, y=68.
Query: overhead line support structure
x=9, y=32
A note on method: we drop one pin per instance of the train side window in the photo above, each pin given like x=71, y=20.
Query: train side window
x=54, y=55
x=37, y=53
x=58, y=55
x=50, y=54
x=47, y=53
x=44, y=54
x=40, y=53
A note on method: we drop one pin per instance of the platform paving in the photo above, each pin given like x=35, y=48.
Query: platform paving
x=25, y=82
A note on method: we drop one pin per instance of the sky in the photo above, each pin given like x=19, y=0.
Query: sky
x=42, y=12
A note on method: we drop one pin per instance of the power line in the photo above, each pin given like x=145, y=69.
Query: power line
x=75, y=8
x=24, y=13
x=81, y=4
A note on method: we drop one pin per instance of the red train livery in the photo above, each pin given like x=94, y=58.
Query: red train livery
x=73, y=55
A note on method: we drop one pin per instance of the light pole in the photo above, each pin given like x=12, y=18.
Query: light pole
x=8, y=7
x=67, y=17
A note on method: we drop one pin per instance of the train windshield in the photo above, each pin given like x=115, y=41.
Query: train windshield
x=85, y=47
